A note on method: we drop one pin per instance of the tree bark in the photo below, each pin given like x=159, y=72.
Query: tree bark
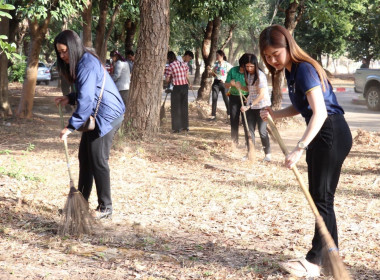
x=197, y=75
x=209, y=47
x=130, y=30
x=87, y=22
x=293, y=15
x=101, y=27
x=144, y=100
x=37, y=35
x=103, y=52
x=5, y=108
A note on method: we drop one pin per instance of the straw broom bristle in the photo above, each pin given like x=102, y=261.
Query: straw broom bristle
x=77, y=219
x=332, y=263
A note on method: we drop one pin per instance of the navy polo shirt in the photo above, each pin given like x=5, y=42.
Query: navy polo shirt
x=301, y=80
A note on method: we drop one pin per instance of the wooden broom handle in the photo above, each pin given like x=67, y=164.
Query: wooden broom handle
x=294, y=168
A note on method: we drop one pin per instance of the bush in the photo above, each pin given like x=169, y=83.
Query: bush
x=16, y=73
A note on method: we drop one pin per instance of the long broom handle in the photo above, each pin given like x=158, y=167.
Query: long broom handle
x=65, y=144
x=340, y=271
x=294, y=168
x=244, y=115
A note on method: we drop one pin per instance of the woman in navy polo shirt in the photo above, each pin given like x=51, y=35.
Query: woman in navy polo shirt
x=81, y=66
x=327, y=138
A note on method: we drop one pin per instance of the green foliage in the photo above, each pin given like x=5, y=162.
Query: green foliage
x=5, y=47
x=16, y=73
x=364, y=39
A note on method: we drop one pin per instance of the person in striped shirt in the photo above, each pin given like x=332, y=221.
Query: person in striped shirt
x=177, y=73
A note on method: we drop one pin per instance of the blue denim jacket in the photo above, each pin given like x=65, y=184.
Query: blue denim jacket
x=88, y=83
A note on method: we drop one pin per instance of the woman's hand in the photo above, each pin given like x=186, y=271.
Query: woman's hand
x=63, y=100
x=293, y=157
x=244, y=108
x=64, y=133
x=264, y=112
x=238, y=85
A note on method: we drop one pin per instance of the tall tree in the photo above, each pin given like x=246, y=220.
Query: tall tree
x=39, y=14
x=5, y=51
x=143, y=104
x=87, y=24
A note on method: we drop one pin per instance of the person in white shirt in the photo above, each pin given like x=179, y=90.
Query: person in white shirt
x=258, y=98
x=220, y=70
x=121, y=74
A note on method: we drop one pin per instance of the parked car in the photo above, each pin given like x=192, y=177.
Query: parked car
x=54, y=71
x=43, y=74
x=367, y=82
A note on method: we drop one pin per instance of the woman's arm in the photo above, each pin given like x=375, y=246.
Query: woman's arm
x=317, y=104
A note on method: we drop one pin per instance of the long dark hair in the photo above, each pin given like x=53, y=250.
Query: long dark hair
x=171, y=57
x=222, y=54
x=278, y=36
x=76, y=50
x=251, y=58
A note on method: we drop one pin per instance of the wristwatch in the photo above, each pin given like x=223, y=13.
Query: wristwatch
x=301, y=145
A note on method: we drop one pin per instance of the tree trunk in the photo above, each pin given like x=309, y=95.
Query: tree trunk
x=197, y=75
x=144, y=100
x=209, y=48
x=101, y=27
x=130, y=30
x=103, y=52
x=5, y=108
x=87, y=22
x=37, y=35
x=238, y=48
x=293, y=15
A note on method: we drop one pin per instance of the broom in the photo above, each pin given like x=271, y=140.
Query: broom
x=251, y=146
x=332, y=261
x=76, y=219
x=162, y=110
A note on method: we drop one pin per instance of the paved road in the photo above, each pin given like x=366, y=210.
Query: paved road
x=357, y=115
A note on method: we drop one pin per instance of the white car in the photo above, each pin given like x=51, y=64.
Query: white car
x=43, y=74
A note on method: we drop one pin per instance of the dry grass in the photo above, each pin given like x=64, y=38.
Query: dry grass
x=186, y=205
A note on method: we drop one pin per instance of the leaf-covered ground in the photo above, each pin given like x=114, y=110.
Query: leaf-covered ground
x=186, y=206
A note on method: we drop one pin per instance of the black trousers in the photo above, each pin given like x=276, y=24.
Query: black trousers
x=180, y=108
x=217, y=86
x=93, y=156
x=235, y=105
x=324, y=157
x=253, y=118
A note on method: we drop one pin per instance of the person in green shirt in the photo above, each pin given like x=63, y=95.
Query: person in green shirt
x=235, y=77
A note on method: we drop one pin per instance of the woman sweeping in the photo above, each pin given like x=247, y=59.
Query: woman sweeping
x=327, y=138
x=258, y=98
x=82, y=67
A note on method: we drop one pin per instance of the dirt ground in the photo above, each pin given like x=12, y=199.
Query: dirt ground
x=186, y=206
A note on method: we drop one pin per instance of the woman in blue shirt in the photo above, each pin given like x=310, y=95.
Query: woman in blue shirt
x=81, y=66
x=327, y=138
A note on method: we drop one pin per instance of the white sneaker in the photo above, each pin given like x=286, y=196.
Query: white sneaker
x=267, y=157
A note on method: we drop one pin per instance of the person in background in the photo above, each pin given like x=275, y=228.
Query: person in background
x=327, y=139
x=130, y=59
x=258, y=98
x=177, y=73
x=235, y=80
x=121, y=74
x=186, y=58
x=365, y=64
x=220, y=70
x=81, y=66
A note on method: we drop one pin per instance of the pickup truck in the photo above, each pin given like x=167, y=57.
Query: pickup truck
x=367, y=82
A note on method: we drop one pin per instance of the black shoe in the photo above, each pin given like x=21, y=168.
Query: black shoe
x=103, y=213
x=175, y=131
